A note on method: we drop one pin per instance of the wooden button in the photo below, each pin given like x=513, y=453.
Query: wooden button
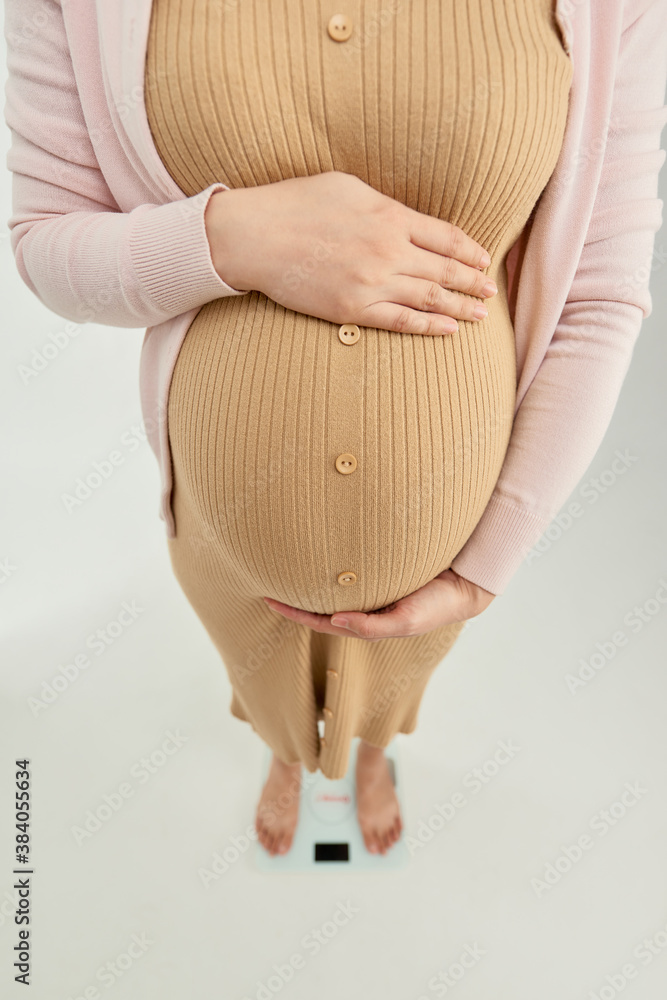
x=332, y=673
x=346, y=463
x=349, y=333
x=323, y=742
x=347, y=578
x=328, y=713
x=340, y=27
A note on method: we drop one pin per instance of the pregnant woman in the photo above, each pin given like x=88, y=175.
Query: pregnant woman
x=340, y=466
x=296, y=200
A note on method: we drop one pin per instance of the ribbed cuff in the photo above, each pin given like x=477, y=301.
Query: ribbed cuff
x=171, y=255
x=502, y=539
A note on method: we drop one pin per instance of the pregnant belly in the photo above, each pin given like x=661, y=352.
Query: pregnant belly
x=331, y=473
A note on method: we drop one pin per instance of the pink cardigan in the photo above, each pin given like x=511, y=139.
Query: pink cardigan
x=101, y=232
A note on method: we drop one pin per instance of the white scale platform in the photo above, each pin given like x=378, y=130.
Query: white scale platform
x=328, y=837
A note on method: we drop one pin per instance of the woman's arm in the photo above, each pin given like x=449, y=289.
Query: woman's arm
x=86, y=259
x=566, y=411
x=75, y=249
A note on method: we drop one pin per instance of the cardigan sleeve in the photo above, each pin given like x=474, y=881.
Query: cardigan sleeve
x=567, y=408
x=82, y=256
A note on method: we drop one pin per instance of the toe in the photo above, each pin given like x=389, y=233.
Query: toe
x=369, y=841
x=286, y=842
x=266, y=836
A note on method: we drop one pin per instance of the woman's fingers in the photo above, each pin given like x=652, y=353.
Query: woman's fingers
x=402, y=319
x=320, y=623
x=392, y=625
x=429, y=296
x=445, y=600
x=449, y=273
x=442, y=237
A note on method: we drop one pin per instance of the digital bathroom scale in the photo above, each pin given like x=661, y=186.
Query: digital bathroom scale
x=328, y=837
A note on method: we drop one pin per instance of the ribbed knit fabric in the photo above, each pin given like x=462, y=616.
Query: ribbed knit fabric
x=456, y=110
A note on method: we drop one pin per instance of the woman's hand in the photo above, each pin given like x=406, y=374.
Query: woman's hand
x=446, y=599
x=331, y=246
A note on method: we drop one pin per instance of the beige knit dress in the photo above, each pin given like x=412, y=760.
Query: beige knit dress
x=327, y=465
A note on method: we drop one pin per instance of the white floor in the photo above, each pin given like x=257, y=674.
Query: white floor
x=521, y=889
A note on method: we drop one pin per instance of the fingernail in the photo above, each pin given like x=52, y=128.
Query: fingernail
x=479, y=312
x=490, y=288
x=485, y=261
x=342, y=622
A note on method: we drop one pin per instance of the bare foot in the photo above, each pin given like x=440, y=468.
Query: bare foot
x=377, y=806
x=278, y=807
